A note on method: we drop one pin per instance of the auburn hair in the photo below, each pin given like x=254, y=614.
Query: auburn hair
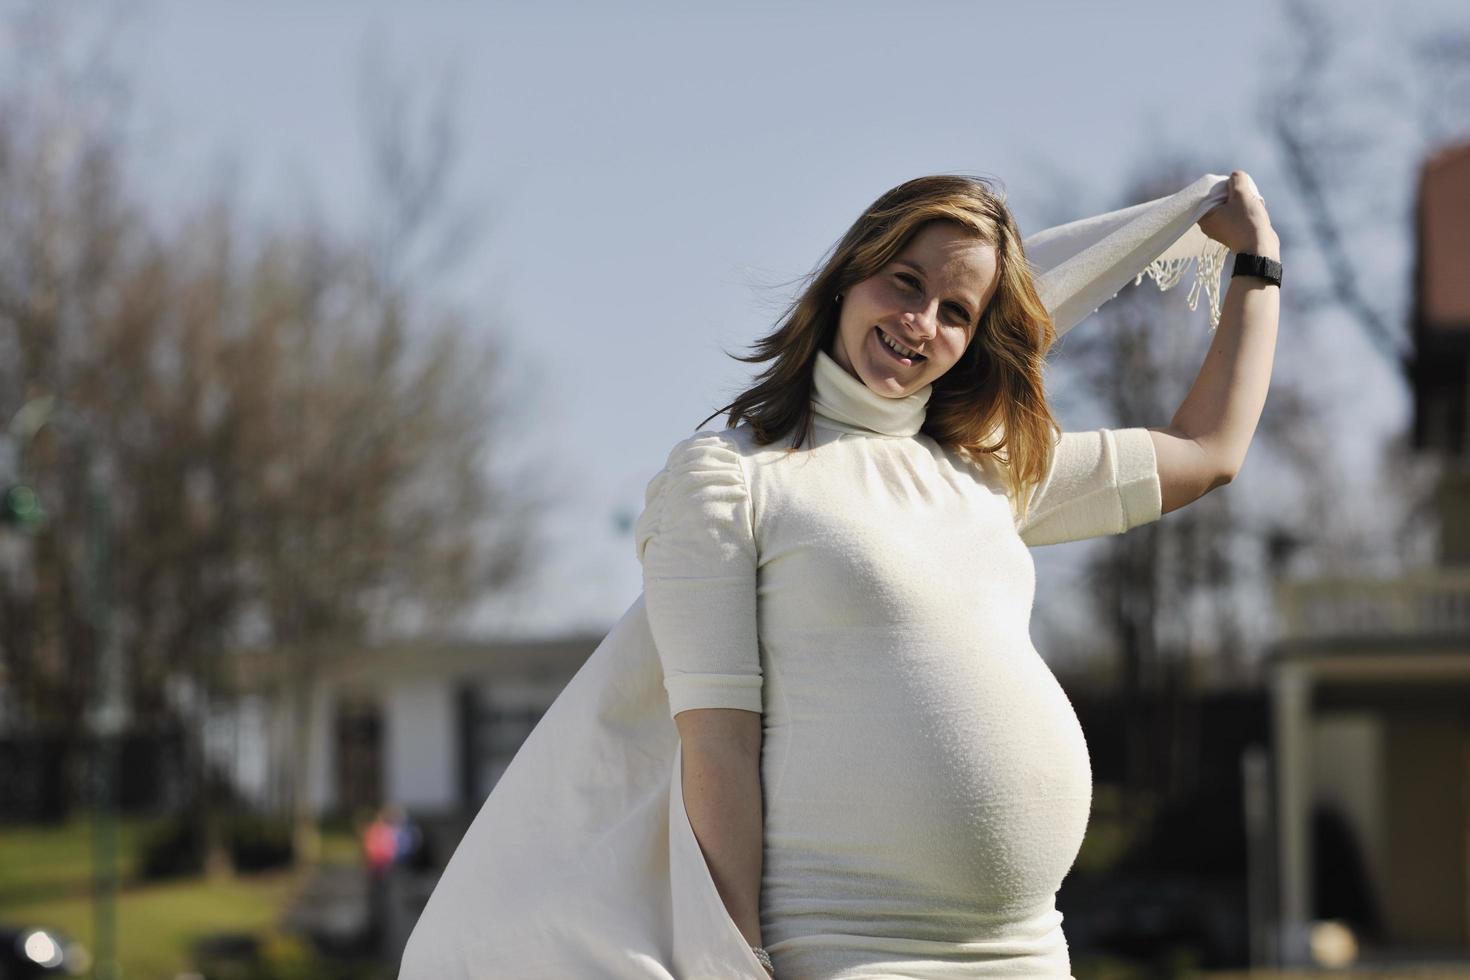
x=994, y=392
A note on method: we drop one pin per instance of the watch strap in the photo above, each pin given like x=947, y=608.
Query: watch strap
x=1250, y=264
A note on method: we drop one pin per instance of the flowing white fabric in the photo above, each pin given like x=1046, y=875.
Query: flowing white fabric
x=582, y=861
x=1082, y=264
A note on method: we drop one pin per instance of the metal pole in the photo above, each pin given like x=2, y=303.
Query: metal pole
x=1260, y=879
x=107, y=724
x=107, y=716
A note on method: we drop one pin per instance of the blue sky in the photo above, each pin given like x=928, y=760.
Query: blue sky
x=652, y=170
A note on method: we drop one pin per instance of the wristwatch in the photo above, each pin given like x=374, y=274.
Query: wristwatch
x=1249, y=264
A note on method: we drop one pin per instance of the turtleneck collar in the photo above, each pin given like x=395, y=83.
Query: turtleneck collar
x=844, y=402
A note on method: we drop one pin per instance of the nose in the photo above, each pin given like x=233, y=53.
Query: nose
x=923, y=324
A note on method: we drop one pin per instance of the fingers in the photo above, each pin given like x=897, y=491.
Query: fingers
x=1241, y=183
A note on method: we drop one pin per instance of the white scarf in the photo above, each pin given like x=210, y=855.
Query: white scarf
x=582, y=862
x=1082, y=264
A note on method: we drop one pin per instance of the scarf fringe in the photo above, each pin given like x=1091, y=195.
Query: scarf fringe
x=1207, y=267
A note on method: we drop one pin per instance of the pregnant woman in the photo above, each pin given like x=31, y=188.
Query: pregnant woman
x=881, y=775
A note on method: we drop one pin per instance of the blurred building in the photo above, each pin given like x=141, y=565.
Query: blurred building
x=427, y=726
x=1371, y=679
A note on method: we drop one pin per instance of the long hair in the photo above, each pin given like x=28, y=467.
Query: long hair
x=994, y=392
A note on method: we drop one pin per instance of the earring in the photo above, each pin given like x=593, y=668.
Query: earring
x=837, y=298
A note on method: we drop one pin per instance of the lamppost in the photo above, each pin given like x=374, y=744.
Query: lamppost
x=22, y=508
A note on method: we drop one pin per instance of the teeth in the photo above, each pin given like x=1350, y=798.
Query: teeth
x=895, y=345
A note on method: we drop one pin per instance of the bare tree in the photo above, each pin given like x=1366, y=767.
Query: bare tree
x=64, y=235
x=1344, y=129
x=302, y=432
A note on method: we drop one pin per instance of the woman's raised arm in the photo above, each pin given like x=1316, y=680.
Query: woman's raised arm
x=1205, y=443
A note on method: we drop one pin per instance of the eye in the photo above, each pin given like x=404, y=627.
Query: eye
x=911, y=283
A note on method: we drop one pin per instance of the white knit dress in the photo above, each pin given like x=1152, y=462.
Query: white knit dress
x=926, y=782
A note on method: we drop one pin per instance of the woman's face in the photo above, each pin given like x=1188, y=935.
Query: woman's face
x=928, y=298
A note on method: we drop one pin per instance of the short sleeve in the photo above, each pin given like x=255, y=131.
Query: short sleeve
x=696, y=542
x=1101, y=481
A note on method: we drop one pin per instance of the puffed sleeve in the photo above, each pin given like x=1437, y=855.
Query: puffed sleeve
x=1101, y=481
x=696, y=541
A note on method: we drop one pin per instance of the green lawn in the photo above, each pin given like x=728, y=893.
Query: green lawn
x=49, y=862
x=1385, y=973
x=157, y=924
x=46, y=879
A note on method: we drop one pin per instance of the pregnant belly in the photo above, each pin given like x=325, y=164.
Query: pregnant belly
x=925, y=788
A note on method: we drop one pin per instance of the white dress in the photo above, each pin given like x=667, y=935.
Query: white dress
x=926, y=782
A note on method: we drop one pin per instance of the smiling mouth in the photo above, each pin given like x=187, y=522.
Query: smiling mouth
x=895, y=355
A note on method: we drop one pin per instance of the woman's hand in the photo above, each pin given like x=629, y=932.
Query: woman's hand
x=1241, y=223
